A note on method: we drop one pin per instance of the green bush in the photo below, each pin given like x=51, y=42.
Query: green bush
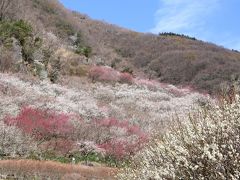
x=20, y=29
x=5, y=30
x=81, y=48
x=23, y=32
x=84, y=50
x=177, y=35
x=127, y=70
x=79, y=39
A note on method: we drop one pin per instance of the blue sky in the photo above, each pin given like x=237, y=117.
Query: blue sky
x=216, y=21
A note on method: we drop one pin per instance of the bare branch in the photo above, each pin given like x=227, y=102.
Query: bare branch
x=5, y=7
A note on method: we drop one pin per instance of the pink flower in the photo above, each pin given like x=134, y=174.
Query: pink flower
x=41, y=124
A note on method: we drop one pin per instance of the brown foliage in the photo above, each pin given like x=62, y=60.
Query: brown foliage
x=176, y=60
x=172, y=59
x=6, y=61
x=29, y=169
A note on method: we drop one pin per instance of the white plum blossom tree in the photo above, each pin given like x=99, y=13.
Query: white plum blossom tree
x=204, y=146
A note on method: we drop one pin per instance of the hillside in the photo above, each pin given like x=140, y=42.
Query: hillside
x=92, y=122
x=167, y=57
x=84, y=99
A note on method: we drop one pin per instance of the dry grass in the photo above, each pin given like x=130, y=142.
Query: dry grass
x=54, y=170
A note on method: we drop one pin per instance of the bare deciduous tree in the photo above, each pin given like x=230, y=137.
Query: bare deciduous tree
x=5, y=5
x=11, y=8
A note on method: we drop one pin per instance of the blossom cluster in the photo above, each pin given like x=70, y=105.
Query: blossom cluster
x=203, y=146
x=116, y=117
x=108, y=74
x=13, y=142
x=41, y=124
x=136, y=102
x=110, y=136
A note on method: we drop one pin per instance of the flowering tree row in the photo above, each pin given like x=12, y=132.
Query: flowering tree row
x=67, y=133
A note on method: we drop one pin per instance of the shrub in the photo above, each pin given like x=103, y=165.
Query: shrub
x=54, y=70
x=115, y=62
x=64, y=28
x=103, y=73
x=80, y=45
x=56, y=147
x=206, y=146
x=18, y=29
x=84, y=50
x=78, y=70
x=13, y=142
x=126, y=78
x=6, y=60
x=125, y=139
x=110, y=137
x=42, y=124
x=127, y=70
x=178, y=35
x=23, y=32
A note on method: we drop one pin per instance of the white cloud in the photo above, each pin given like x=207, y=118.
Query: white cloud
x=183, y=16
x=193, y=17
